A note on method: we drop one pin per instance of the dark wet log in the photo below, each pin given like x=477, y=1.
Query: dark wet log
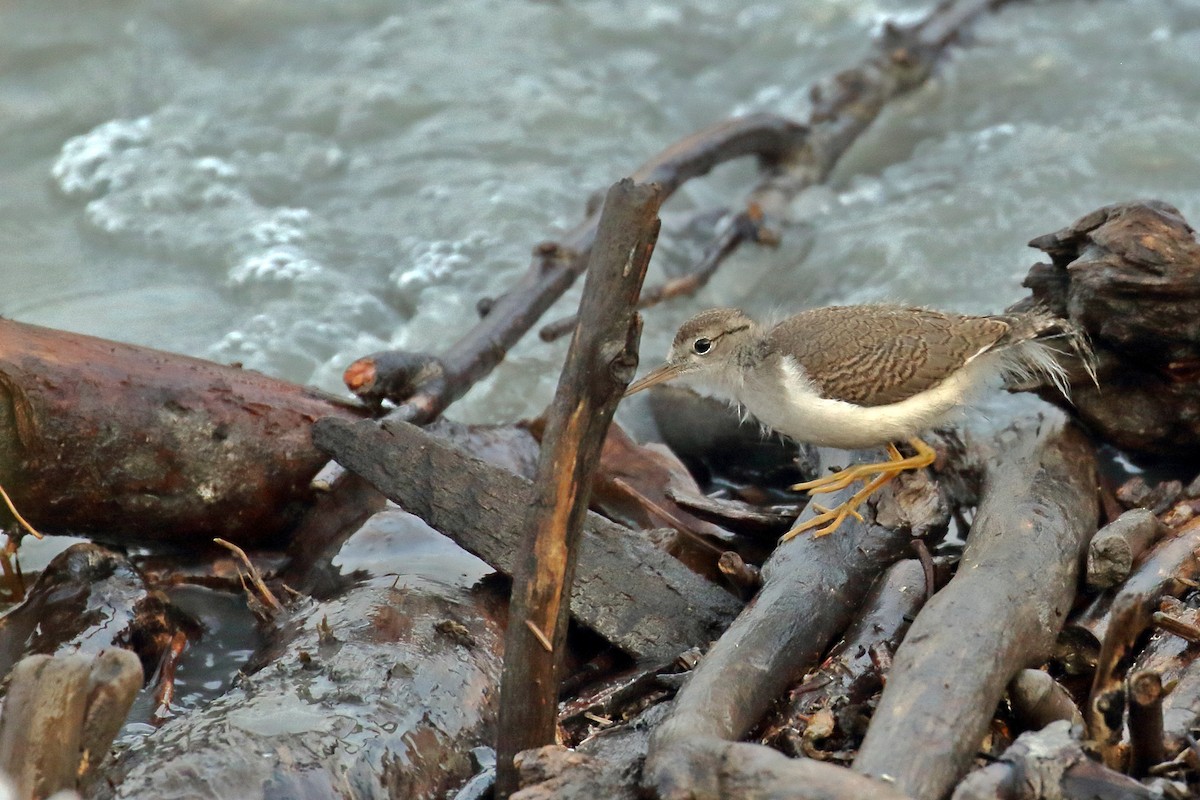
x=1145, y=722
x=1169, y=568
x=601, y=362
x=853, y=672
x=133, y=445
x=1037, y=700
x=1118, y=544
x=379, y=693
x=60, y=717
x=1129, y=276
x=842, y=108
x=87, y=600
x=627, y=590
x=811, y=589
x=1048, y=763
x=999, y=614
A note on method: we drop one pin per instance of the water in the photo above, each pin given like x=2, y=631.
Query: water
x=294, y=184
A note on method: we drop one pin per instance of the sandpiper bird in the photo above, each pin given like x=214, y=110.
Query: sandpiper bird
x=853, y=377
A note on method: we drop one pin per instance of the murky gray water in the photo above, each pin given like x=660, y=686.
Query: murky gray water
x=294, y=183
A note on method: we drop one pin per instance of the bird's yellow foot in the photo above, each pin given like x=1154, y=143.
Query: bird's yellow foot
x=883, y=472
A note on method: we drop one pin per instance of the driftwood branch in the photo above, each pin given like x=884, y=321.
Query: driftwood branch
x=1012, y=591
x=434, y=383
x=811, y=589
x=600, y=363
x=633, y=594
x=843, y=107
x=794, y=157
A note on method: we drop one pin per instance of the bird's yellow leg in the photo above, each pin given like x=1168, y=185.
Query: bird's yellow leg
x=884, y=472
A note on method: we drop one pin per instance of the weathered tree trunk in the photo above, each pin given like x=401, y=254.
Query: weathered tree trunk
x=129, y=444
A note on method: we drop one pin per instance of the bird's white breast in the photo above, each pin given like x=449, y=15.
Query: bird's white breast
x=789, y=402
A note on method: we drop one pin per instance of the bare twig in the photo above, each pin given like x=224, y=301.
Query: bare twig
x=843, y=107
x=264, y=591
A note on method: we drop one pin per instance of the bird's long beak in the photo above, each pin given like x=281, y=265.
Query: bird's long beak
x=658, y=375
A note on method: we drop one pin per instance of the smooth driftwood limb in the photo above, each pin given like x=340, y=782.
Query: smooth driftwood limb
x=1000, y=613
x=811, y=589
x=843, y=107
x=600, y=363
x=130, y=445
x=60, y=717
x=626, y=589
x=429, y=385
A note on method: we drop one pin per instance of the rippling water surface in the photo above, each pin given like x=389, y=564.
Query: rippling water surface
x=292, y=184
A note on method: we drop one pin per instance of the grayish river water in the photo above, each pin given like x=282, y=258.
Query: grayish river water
x=292, y=184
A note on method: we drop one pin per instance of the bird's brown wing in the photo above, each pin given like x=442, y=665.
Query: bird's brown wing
x=878, y=354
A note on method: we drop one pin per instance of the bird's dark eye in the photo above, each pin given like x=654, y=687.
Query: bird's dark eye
x=702, y=346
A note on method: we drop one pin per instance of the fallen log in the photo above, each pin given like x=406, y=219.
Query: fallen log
x=811, y=589
x=381, y=692
x=132, y=445
x=627, y=590
x=1009, y=597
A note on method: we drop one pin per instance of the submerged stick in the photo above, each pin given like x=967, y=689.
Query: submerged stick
x=600, y=364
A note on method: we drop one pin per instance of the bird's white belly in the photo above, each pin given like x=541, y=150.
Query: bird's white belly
x=793, y=407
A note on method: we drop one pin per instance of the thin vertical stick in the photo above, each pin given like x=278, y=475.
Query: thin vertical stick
x=602, y=359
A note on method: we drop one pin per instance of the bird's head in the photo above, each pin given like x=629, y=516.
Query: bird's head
x=704, y=349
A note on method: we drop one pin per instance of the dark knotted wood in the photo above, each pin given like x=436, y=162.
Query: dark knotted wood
x=1128, y=275
x=1000, y=613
